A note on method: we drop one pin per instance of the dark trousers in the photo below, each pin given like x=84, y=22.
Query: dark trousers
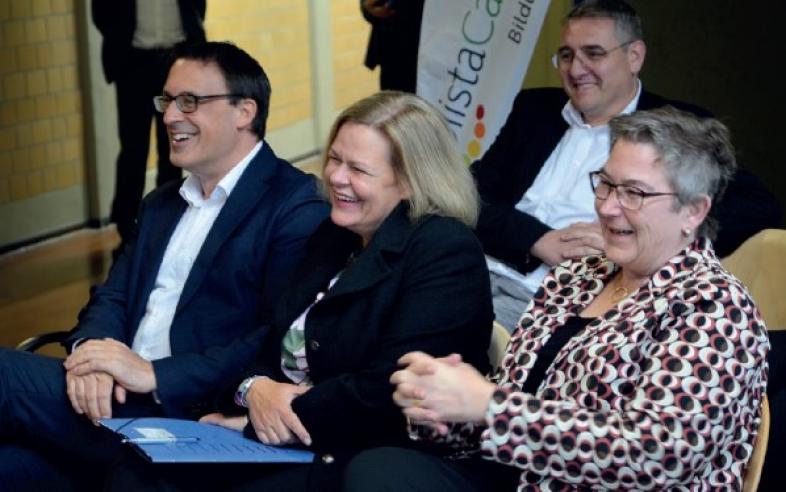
x=398, y=469
x=133, y=474
x=399, y=75
x=143, y=78
x=42, y=439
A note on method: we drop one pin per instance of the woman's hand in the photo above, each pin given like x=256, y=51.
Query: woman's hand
x=436, y=391
x=271, y=414
x=237, y=423
x=378, y=9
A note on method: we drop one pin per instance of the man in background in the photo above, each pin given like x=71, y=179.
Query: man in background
x=534, y=180
x=138, y=39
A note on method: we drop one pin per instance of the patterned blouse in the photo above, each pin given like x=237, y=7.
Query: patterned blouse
x=294, y=363
x=661, y=392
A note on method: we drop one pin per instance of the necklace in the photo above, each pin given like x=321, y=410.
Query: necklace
x=618, y=292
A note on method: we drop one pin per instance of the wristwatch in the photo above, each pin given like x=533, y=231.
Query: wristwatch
x=242, y=391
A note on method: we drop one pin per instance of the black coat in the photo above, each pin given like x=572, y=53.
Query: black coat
x=421, y=286
x=116, y=20
x=393, y=45
x=532, y=131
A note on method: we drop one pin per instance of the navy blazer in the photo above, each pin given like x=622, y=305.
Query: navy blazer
x=532, y=131
x=231, y=289
x=421, y=286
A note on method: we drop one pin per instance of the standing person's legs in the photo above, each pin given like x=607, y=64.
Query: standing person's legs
x=400, y=75
x=166, y=171
x=134, y=114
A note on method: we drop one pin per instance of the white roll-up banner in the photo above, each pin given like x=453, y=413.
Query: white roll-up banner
x=472, y=60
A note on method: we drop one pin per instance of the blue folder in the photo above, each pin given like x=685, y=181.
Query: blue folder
x=163, y=440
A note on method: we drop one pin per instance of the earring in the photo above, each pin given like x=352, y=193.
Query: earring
x=686, y=231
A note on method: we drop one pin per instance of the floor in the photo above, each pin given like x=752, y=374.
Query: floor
x=43, y=287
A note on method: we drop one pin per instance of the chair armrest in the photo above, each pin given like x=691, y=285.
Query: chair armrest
x=34, y=343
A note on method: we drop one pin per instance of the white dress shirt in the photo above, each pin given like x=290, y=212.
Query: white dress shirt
x=151, y=341
x=561, y=193
x=158, y=24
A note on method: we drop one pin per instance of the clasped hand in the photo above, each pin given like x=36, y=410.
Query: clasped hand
x=436, y=391
x=98, y=368
x=378, y=8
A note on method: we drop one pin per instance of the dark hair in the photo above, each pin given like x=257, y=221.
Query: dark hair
x=696, y=153
x=244, y=76
x=627, y=22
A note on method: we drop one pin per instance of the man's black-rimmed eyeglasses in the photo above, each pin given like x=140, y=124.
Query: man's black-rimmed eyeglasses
x=186, y=103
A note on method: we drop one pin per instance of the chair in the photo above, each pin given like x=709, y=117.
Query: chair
x=499, y=343
x=760, y=263
x=750, y=482
x=34, y=343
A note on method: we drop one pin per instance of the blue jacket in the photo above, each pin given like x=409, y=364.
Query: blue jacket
x=229, y=295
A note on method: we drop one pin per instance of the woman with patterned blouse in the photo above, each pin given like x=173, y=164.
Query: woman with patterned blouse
x=640, y=369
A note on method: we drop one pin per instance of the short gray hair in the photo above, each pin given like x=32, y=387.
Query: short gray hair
x=423, y=152
x=696, y=153
x=627, y=23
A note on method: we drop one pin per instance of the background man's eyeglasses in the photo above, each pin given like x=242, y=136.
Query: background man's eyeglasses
x=588, y=55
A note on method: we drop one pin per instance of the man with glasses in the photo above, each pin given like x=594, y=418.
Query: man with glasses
x=137, y=41
x=185, y=305
x=533, y=181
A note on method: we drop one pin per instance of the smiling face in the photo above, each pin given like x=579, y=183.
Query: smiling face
x=358, y=174
x=215, y=137
x=641, y=241
x=601, y=89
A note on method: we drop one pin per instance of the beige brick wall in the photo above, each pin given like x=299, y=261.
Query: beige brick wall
x=40, y=100
x=350, y=37
x=275, y=32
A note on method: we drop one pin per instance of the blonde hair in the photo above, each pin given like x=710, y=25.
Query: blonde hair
x=423, y=154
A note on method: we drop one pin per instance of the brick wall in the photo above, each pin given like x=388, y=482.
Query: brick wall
x=350, y=37
x=40, y=114
x=275, y=32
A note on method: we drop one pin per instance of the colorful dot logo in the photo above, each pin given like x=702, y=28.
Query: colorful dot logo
x=475, y=146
